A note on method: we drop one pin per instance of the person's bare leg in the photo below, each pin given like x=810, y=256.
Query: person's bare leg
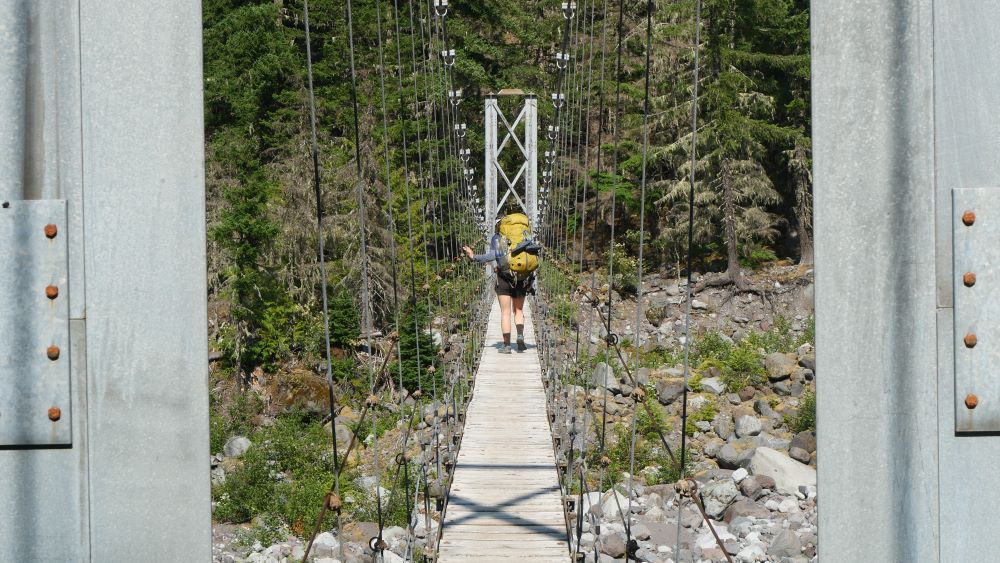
x=518, y=303
x=505, y=318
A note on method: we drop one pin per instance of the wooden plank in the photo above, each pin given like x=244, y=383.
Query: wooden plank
x=506, y=504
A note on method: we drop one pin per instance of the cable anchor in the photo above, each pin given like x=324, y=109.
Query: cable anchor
x=562, y=60
x=569, y=10
x=441, y=8
x=448, y=55
x=461, y=130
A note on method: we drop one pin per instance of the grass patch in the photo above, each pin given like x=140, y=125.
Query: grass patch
x=806, y=418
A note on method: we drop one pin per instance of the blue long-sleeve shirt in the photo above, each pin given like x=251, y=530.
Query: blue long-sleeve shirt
x=492, y=253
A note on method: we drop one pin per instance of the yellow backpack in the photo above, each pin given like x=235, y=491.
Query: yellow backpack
x=517, y=263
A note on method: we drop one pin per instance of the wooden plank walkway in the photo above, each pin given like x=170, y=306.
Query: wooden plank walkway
x=505, y=502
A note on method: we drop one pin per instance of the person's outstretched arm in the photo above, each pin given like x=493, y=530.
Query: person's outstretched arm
x=488, y=256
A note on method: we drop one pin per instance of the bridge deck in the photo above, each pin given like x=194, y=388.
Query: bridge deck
x=505, y=501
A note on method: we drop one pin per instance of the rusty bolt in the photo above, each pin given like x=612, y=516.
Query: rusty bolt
x=605, y=461
x=969, y=279
x=51, y=230
x=372, y=400
x=970, y=340
x=55, y=413
x=52, y=292
x=417, y=393
x=971, y=401
x=52, y=352
x=968, y=218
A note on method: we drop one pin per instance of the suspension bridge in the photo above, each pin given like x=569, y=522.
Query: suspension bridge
x=102, y=112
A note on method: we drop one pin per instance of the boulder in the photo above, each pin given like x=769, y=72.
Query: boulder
x=325, y=545
x=798, y=454
x=748, y=426
x=805, y=440
x=787, y=473
x=669, y=390
x=785, y=544
x=716, y=497
x=604, y=377
x=713, y=385
x=236, y=446
x=613, y=545
x=780, y=366
x=746, y=509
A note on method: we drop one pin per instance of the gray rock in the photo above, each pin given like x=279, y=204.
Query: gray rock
x=746, y=509
x=785, y=544
x=613, y=545
x=698, y=305
x=787, y=473
x=642, y=376
x=779, y=366
x=783, y=388
x=668, y=390
x=717, y=497
x=728, y=457
x=805, y=440
x=236, y=446
x=604, y=377
x=723, y=427
x=326, y=545
x=640, y=532
x=713, y=385
x=798, y=454
x=751, y=488
x=748, y=426
x=808, y=362
x=218, y=476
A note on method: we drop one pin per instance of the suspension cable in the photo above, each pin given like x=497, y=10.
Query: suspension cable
x=690, y=251
x=322, y=267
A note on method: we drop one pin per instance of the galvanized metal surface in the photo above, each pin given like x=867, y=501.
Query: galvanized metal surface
x=966, y=144
x=144, y=198
x=877, y=406
x=904, y=114
x=35, y=407
x=976, y=337
x=13, y=92
x=121, y=84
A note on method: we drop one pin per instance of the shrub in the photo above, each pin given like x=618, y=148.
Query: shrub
x=742, y=368
x=806, y=419
x=713, y=346
x=706, y=413
x=624, y=269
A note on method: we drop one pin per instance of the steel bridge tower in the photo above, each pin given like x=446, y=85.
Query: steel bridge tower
x=103, y=358
x=523, y=185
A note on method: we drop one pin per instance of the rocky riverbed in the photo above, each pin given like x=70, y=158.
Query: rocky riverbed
x=750, y=452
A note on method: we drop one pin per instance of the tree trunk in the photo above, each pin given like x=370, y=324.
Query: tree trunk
x=802, y=180
x=729, y=219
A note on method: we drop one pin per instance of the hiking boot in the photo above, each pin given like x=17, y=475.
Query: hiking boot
x=520, y=344
x=505, y=349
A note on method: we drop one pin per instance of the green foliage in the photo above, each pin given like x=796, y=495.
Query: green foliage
x=345, y=325
x=706, y=413
x=624, y=269
x=417, y=349
x=806, y=418
x=743, y=367
x=778, y=339
x=740, y=364
x=659, y=357
x=237, y=420
x=755, y=255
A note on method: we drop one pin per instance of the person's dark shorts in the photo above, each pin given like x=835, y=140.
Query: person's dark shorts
x=505, y=287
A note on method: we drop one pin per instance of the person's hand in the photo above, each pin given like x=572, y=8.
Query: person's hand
x=468, y=252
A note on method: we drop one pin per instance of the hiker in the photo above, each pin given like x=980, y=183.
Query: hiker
x=515, y=254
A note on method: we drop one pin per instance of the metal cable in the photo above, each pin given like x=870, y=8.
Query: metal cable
x=322, y=266
x=690, y=251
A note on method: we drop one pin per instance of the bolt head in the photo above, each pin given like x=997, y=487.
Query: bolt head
x=52, y=352
x=970, y=340
x=51, y=231
x=969, y=279
x=968, y=218
x=971, y=401
x=52, y=292
x=55, y=413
